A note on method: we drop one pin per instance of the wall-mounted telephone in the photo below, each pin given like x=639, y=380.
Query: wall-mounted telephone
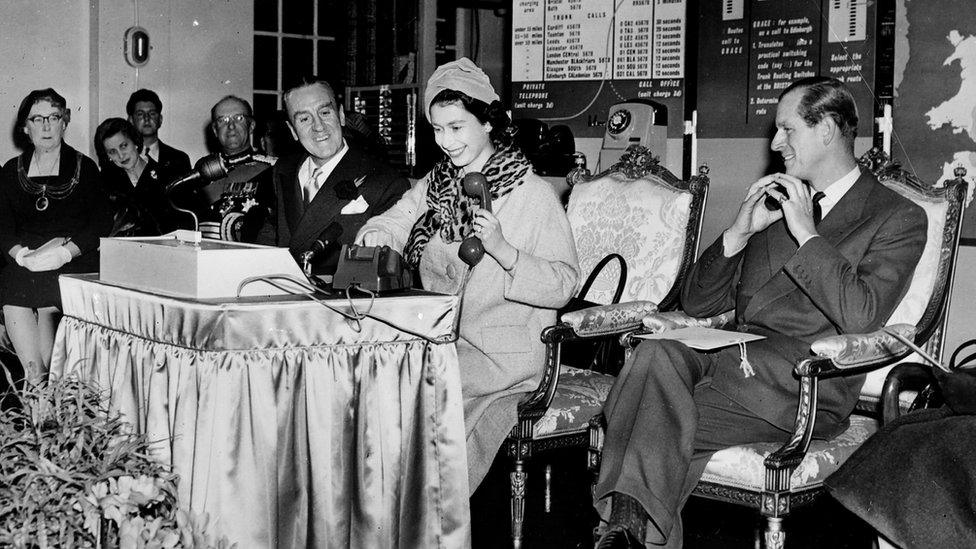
x=475, y=185
x=373, y=268
x=550, y=150
x=634, y=122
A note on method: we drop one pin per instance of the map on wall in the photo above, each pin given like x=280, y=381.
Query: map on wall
x=751, y=50
x=935, y=92
x=573, y=59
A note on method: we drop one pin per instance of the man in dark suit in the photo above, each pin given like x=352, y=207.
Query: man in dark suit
x=789, y=278
x=145, y=111
x=331, y=185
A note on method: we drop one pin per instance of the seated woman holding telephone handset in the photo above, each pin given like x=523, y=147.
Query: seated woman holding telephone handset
x=530, y=267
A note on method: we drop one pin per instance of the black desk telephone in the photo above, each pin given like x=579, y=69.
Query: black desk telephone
x=381, y=269
x=373, y=268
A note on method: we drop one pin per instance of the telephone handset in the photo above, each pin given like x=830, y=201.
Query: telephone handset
x=771, y=203
x=474, y=185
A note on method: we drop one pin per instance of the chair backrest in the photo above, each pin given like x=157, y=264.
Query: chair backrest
x=927, y=300
x=643, y=212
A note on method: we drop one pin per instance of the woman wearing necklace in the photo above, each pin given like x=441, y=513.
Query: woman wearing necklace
x=52, y=212
x=134, y=184
x=529, y=268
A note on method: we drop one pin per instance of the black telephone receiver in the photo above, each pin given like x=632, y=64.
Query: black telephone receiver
x=474, y=185
x=771, y=203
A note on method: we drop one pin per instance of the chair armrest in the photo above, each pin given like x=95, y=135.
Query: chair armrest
x=608, y=319
x=662, y=322
x=592, y=322
x=850, y=351
x=535, y=403
x=913, y=373
x=835, y=354
x=789, y=456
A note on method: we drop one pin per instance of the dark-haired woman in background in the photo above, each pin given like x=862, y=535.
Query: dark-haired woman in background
x=530, y=268
x=52, y=212
x=135, y=185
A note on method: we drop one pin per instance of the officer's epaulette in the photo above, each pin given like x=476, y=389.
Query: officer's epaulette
x=265, y=158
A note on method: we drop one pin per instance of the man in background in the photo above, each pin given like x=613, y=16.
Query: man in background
x=329, y=189
x=145, y=112
x=235, y=206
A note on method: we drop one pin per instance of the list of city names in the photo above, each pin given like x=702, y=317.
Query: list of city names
x=558, y=40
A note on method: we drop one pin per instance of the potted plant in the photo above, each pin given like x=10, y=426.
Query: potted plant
x=73, y=475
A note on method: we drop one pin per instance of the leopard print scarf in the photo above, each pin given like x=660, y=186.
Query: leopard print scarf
x=449, y=211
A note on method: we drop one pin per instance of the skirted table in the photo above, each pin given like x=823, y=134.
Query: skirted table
x=286, y=425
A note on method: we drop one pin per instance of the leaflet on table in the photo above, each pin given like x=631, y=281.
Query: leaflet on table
x=705, y=339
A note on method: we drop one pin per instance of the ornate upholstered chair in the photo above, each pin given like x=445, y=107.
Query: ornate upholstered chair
x=777, y=476
x=637, y=209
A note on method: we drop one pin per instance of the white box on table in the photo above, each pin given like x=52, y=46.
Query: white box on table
x=200, y=269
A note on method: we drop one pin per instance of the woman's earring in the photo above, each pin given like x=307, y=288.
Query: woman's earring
x=487, y=127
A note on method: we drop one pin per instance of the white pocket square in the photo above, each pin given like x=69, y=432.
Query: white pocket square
x=357, y=206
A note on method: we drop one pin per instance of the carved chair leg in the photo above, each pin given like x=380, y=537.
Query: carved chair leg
x=775, y=535
x=518, y=477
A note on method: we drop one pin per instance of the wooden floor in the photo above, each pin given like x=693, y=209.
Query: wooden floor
x=708, y=525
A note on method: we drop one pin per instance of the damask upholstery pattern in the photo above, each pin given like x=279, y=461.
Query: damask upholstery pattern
x=911, y=307
x=580, y=397
x=609, y=319
x=643, y=220
x=851, y=350
x=742, y=466
x=672, y=320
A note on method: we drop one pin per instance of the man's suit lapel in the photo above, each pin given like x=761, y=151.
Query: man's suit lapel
x=326, y=206
x=290, y=192
x=843, y=218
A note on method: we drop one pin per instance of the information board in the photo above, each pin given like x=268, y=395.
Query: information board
x=751, y=50
x=573, y=59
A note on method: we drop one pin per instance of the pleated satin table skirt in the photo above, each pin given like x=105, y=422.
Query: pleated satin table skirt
x=288, y=424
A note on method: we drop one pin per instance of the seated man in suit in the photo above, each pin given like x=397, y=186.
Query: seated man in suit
x=145, y=112
x=790, y=278
x=332, y=184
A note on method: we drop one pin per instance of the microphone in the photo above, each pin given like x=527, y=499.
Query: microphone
x=210, y=168
x=326, y=240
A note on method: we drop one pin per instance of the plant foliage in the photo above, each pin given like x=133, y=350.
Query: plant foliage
x=73, y=475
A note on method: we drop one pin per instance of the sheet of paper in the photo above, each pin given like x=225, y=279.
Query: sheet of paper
x=705, y=339
x=51, y=244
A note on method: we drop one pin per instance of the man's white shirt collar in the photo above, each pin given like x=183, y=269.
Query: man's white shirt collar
x=837, y=190
x=305, y=172
x=151, y=151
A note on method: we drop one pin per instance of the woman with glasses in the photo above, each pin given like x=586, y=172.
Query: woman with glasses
x=52, y=212
x=134, y=184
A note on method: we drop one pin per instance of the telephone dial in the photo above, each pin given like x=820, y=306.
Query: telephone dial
x=634, y=122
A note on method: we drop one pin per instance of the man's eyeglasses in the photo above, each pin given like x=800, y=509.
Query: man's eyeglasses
x=237, y=119
x=37, y=119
